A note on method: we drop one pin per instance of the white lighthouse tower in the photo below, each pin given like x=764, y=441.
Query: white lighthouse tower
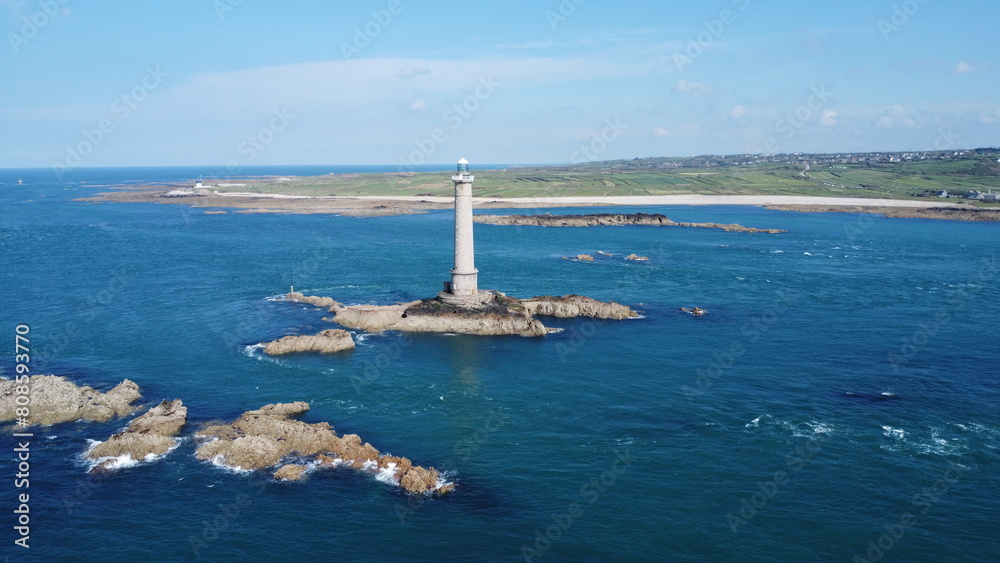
x=463, y=289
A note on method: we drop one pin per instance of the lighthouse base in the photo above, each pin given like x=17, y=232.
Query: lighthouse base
x=477, y=299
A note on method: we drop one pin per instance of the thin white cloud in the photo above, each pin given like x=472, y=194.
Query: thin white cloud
x=685, y=86
x=828, y=118
x=419, y=105
x=965, y=67
x=661, y=132
x=894, y=116
x=990, y=117
x=410, y=71
x=14, y=6
x=738, y=112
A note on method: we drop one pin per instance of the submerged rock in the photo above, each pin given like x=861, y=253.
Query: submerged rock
x=148, y=435
x=290, y=472
x=55, y=399
x=327, y=342
x=262, y=438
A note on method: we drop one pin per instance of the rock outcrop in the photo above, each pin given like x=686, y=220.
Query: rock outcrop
x=290, y=472
x=634, y=256
x=55, y=399
x=312, y=300
x=585, y=257
x=570, y=306
x=609, y=219
x=148, y=435
x=964, y=213
x=501, y=316
x=327, y=342
x=266, y=437
x=697, y=311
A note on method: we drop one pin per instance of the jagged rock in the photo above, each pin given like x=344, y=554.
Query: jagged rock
x=585, y=257
x=261, y=438
x=502, y=315
x=290, y=472
x=298, y=408
x=418, y=479
x=55, y=399
x=325, y=302
x=963, y=213
x=327, y=342
x=165, y=419
x=636, y=257
x=372, y=318
x=138, y=446
x=569, y=306
x=609, y=219
x=499, y=317
x=148, y=435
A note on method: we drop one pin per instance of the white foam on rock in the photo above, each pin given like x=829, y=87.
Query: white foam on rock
x=220, y=462
x=122, y=461
x=387, y=475
x=897, y=433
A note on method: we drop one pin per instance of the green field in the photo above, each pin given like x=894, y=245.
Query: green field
x=913, y=179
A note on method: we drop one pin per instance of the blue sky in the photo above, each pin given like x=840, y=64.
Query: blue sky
x=210, y=82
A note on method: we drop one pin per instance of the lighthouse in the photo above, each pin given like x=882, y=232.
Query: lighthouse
x=463, y=289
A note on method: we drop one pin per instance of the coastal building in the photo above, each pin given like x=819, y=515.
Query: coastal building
x=463, y=289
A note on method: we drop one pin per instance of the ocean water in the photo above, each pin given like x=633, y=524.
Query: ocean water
x=840, y=400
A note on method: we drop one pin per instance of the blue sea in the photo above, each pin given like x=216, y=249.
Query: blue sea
x=840, y=400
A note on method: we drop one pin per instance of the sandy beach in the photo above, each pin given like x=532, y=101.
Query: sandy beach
x=684, y=199
x=374, y=206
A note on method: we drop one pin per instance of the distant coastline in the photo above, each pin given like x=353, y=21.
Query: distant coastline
x=385, y=205
x=956, y=185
